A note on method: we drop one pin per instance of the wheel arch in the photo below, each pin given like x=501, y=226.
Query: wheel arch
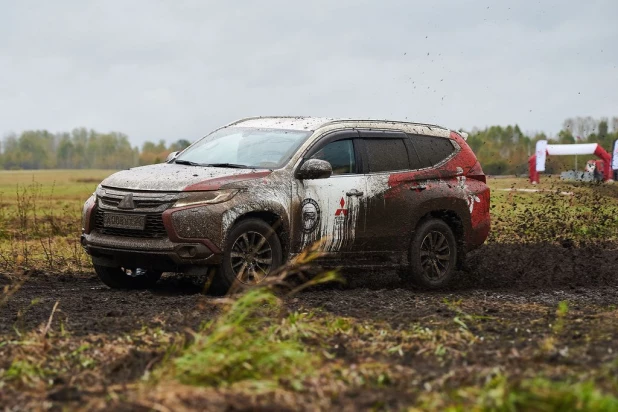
x=277, y=220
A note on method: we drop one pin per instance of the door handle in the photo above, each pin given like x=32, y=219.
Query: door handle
x=354, y=192
x=418, y=187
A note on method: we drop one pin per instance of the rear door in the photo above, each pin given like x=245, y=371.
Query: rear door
x=405, y=181
x=386, y=153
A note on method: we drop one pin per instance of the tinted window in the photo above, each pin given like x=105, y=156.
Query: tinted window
x=387, y=155
x=340, y=155
x=432, y=150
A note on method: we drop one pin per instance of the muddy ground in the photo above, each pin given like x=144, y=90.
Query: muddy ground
x=508, y=298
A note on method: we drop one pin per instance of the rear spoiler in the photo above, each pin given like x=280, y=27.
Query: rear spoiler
x=463, y=134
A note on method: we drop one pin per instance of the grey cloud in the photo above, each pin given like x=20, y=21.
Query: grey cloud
x=169, y=70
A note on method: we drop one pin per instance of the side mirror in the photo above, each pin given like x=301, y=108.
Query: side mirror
x=171, y=156
x=314, y=169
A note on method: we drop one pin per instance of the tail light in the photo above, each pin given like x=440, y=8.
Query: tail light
x=476, y=173
x=480, y=178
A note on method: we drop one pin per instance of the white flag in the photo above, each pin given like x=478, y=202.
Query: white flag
x=541, y=151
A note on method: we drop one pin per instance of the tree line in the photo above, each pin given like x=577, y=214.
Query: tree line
x=80, y=149
x=501, y=150
x=505, y=150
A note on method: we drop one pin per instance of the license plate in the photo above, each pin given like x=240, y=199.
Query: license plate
x=136, y=222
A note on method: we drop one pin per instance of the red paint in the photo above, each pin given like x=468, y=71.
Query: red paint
x=601, y=153
x=464, y=159
x=216, y=183
x=465, y=164
x=174, y=237
x=88, y=219
x=533, y=175
x=480, y=221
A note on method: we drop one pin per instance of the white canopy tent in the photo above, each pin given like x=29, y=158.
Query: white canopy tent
x=536, y=163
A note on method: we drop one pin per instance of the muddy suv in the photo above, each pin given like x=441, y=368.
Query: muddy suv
x=256, y=192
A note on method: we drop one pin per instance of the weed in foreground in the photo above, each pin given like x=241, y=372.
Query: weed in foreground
x=535, y=395
x=243, y=344
x=252, y=340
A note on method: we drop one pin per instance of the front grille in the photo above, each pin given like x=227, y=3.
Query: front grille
x=154, y=227
x=112, y=201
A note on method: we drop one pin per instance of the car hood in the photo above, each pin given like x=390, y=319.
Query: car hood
x=171, y=177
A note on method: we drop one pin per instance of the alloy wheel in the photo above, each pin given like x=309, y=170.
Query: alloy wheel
x=435, y=255
x=251, y=258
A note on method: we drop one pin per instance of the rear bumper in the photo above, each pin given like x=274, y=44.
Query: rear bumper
x=157, y=254
x=478, y=235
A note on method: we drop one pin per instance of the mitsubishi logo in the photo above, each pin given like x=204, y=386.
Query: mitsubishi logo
x=127, y=202
x=342, y=210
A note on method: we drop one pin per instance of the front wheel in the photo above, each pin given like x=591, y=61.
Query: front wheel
x=123, y=278
x=433, y=255
x=252, y=252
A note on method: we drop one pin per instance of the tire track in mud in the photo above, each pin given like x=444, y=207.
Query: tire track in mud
x=513, y=292
x=516, y=274
x=88, y=307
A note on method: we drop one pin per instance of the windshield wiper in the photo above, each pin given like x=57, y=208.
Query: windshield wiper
x=187, y=162
x=232, y=165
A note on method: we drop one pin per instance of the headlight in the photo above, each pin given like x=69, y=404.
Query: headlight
x=207, y=198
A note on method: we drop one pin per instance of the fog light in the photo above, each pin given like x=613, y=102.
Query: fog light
x=187, y=251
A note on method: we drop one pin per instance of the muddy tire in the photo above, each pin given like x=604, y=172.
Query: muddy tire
x=252, y=252
x=117, y=278
x=433, y=255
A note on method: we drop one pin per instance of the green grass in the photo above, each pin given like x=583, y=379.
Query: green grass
x=535, y=395
x=61, y=185
x=561, y=210
x=40, y=218
x=246, y=344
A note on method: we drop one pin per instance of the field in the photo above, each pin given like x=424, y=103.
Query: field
x=530, y=325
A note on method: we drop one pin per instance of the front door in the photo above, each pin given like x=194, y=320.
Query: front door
x=331, y=208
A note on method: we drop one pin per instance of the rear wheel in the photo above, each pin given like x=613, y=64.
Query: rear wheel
x=252, y=252
x=123, y=278
x=433, y=255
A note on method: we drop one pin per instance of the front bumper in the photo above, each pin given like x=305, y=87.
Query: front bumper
x=157, y=254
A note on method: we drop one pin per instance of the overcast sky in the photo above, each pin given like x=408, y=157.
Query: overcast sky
x=179, y=68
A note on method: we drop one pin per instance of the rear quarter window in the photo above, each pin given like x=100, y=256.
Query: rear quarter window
x=384, y=155
x=431, y=150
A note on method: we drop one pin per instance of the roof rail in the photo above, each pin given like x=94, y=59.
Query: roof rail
x=244, y=119
x=340, y=120
x=385, y=121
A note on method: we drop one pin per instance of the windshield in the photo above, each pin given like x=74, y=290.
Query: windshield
x=245, y=147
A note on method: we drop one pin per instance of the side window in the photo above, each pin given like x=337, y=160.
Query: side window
x=432, y=150
x=340, y=155
x=386, y=155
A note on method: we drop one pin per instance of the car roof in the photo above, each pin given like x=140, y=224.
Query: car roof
x=284, y=122
x=314, y=123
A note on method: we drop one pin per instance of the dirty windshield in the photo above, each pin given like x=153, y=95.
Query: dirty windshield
x=245, y=147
